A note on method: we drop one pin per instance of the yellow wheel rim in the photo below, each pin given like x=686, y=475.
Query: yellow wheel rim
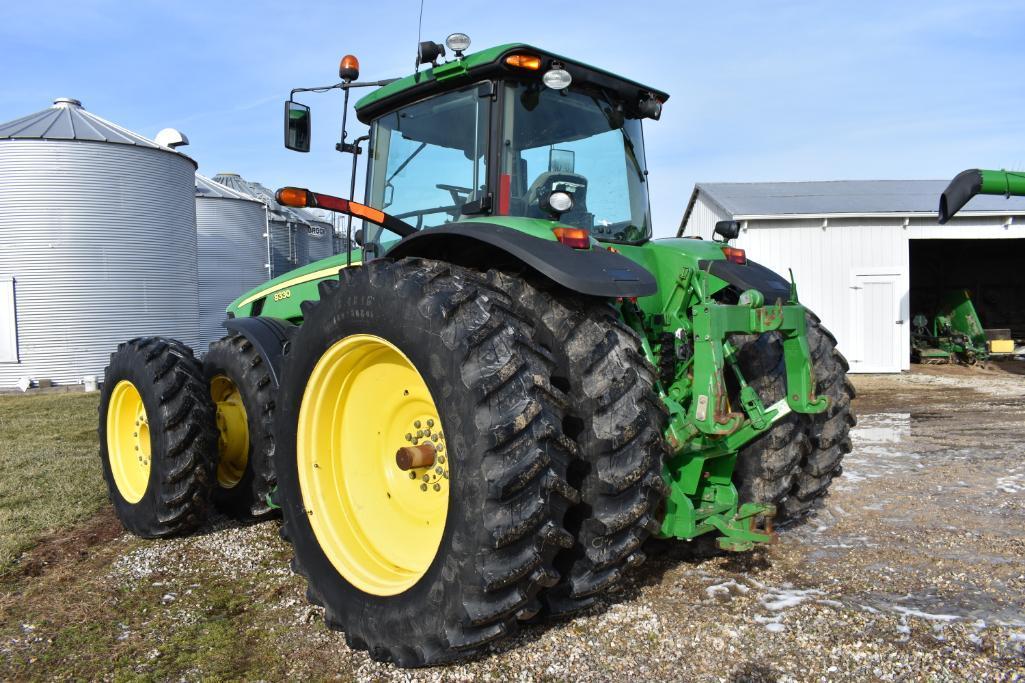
x=128, y=441
x=379, y=525
x=233, y=428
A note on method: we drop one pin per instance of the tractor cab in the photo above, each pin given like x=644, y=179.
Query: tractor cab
x=512, y=132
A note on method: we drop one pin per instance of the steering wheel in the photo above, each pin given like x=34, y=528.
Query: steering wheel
x=459, y=194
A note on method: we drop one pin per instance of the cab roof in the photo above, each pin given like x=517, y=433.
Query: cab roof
x=488, y=64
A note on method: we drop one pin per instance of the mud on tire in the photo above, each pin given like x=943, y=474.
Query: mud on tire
x=236, y=358
x=502, y=421
x=794, y=463
x=828, y=432
x=182, y=436
x=617, y=421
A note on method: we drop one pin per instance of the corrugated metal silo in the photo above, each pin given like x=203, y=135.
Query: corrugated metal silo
x=290, y=236
x=233, y=251
x=98, y=240
x=321, y=243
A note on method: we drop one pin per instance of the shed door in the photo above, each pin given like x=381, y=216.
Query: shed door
x=877, y=323
x=8, y=323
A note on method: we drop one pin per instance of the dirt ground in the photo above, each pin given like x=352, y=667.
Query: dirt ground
x=913, y=570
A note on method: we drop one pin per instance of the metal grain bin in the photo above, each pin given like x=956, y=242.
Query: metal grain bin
x=97, y=243
x=290, y=236
x=233, y=251
x=321, y=243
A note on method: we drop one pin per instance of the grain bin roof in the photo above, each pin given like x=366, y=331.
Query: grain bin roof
x=205, y=187
x=265, y=195
x=67, y=120
x=857, y=197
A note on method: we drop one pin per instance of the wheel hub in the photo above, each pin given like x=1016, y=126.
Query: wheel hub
x=233, y=431
x=378, y=523
x=128, y=441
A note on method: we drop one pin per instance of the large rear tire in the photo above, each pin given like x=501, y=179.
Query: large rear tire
x=794, y=463
x=243, y=394
x=428, y=568
x=617, y=421
x=157, y=437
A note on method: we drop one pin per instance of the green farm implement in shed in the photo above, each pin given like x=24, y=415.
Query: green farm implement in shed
x=481, y=414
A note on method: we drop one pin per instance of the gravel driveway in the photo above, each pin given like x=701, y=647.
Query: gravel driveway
x=914, y=569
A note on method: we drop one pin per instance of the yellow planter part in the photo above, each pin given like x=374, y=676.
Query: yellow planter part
x=1001, y=346
x=128, y=441
x=233, y=429
x=380, y=525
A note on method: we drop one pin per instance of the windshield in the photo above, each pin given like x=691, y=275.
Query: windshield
x=427, y=160
x=579, y=142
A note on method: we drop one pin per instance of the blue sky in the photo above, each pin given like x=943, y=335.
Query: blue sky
x=760, y=90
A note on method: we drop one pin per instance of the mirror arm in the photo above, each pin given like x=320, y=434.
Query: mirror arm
x=352, y=192
x=344, y=86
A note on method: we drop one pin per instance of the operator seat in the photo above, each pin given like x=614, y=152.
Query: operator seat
x=573, y=184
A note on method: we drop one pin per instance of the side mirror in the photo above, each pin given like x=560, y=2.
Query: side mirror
x=561, y=161
x=728, y=230
x=297, y=126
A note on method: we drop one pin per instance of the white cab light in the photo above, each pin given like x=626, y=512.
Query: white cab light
x=557, y=79
x=560, y=201
x=458, y=43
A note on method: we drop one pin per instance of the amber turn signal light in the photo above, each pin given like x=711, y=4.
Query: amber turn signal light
x=738, y=256
x=293, y=196
x=532, y=62
x=577, y=238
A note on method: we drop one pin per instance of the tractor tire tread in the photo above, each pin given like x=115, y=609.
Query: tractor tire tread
x=178, y=494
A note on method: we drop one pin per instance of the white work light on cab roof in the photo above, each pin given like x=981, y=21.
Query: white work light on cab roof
x=557, y=79
x=458, y=43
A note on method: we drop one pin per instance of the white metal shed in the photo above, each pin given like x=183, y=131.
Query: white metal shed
x=861, y=250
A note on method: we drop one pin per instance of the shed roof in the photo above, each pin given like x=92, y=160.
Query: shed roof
x=68, y=120
x=857, y=197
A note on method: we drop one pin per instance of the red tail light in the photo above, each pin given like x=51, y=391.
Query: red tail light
x=735, y=255
x=577, y=238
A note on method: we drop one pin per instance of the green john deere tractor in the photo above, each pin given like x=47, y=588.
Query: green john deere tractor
x=481, y=414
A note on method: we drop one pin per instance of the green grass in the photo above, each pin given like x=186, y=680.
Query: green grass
x=50, y=474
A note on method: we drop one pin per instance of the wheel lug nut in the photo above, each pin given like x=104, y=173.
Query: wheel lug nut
x=423, y=487
x=440, y=447
x=409, y=437
x=427, y=477
x=437, y=487
x=438, y=470
x=430, y=422
x=412, y=475
x=441, y=459
x=419, y=433
x=417, y=424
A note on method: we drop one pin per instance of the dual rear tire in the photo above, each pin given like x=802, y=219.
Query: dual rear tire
x=421, y=565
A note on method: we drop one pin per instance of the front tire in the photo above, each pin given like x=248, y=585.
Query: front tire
x=157, y=437
x=425, y=569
